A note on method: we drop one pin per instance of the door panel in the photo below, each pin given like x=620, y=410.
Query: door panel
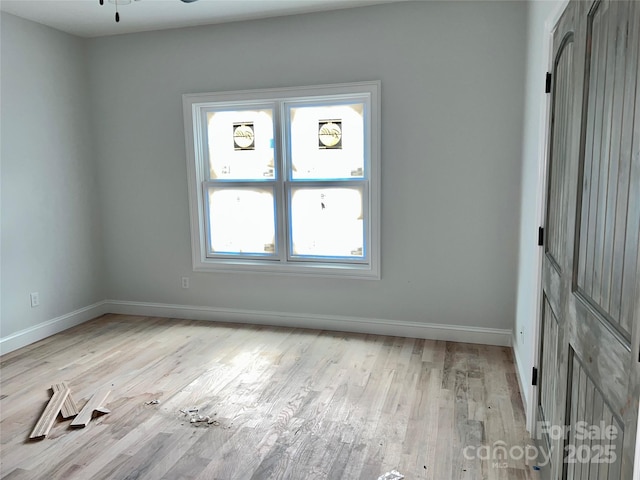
x=561, y=120
x=548, y=368
x=601, y=251
x=590, y=373
x=588, y=406
x=602, y=353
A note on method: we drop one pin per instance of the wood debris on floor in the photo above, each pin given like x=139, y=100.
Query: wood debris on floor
x=50, y=412
x=93, y=405
x=69, y=407
x=197, y=419
x=61, y=402
x=392, y=475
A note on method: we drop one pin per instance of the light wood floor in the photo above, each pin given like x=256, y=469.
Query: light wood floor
x=288, y=403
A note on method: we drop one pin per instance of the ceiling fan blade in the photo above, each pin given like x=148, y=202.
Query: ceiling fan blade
x=189, y=1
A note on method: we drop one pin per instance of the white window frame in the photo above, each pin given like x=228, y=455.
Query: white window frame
x=197, y=164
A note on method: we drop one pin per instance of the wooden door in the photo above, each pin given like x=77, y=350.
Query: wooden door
x=561, y=142
x=589, y=359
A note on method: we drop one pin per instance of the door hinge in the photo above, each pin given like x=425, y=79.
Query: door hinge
x=547, y=83
x=540, y=236
x=534, y=377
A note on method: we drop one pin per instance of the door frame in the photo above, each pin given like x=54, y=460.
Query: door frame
x=544, y=123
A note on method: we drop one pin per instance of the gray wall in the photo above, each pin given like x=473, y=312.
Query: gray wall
x=452, y=98
x=51, y=239
x=535, y=99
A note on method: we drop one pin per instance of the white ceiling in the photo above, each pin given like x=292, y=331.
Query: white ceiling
x=86, y=18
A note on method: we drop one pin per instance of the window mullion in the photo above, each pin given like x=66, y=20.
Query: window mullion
x=281, y=173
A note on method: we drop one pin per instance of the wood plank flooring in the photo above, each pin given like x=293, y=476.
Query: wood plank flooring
x=285, y=404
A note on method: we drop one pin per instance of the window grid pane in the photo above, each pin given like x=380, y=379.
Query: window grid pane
x=327, y=221
x=326, y=141
x=240, y=144
x=241, y=220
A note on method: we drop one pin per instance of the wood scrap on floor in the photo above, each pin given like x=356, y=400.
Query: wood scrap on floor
x=62, y=403
x=93, y=405
x=50, y=413
x=69, y=407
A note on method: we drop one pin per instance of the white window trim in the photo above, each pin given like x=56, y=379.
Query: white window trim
x=192, y=104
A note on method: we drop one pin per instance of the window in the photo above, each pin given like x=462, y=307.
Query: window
x=285, y=180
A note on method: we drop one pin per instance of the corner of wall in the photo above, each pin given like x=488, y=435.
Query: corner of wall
x=523, y=383
x=43, y=330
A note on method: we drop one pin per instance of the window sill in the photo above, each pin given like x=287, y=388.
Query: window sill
x=315, y=269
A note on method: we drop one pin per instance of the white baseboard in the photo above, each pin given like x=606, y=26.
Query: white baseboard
x=377, y=326
x=453, y=333
x=50, y=327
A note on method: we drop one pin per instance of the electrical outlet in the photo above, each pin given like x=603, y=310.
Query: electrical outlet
x=185, y=282
x=35, y=299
